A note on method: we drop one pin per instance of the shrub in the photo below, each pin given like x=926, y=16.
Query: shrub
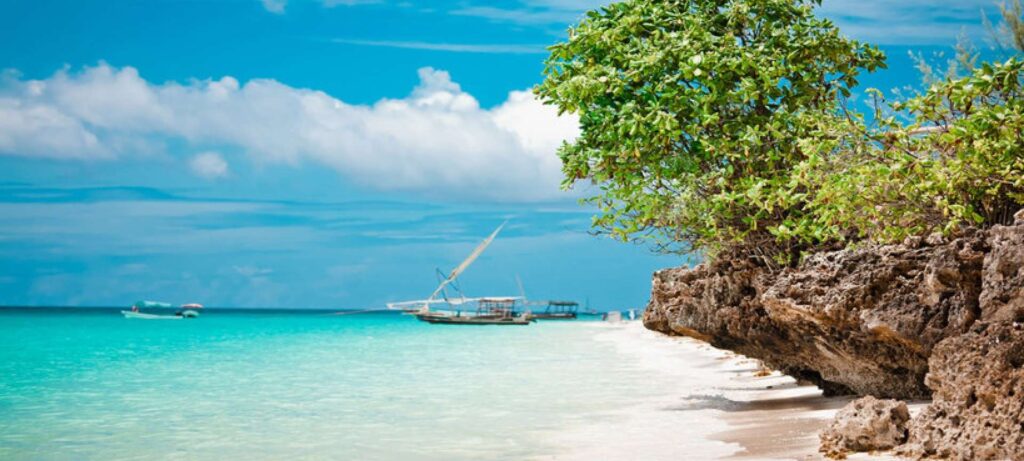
x=958, y=160
x=695, y=116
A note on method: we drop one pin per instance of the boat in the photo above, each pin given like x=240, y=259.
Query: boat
x=558, y=310
x=186, y=311
x=461, y=310
x=141, y=315
x=490, y=311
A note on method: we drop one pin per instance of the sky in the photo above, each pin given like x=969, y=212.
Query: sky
x=317, y=153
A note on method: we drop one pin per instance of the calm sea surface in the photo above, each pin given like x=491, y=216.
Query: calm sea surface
x=91, y=385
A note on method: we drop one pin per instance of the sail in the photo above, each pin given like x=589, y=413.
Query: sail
x=469, y=260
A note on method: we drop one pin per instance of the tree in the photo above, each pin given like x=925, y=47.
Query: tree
x=695, y=115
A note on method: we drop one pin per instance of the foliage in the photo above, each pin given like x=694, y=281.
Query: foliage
x=960, y=161
x=694, y=114
x=722, y=124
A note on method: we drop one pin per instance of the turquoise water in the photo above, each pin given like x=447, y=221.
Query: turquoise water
x=91, y=385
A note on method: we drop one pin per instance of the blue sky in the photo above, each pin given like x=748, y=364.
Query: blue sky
x=315, y=153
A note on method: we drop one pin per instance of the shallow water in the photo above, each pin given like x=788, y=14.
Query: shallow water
x=89, y=384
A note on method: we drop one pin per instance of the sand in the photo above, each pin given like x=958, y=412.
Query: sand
x=714, y=405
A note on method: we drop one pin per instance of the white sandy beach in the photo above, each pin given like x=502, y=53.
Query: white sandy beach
x=715, y=408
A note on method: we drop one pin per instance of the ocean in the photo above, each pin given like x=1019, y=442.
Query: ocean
x=87, y=384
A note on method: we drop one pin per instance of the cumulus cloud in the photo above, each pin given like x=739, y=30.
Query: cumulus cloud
x=209, y=165
x=438, y=139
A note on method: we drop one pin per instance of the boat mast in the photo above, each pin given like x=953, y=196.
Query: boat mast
x=462, y=267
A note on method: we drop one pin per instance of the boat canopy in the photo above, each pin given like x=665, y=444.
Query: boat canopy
x=152, y=305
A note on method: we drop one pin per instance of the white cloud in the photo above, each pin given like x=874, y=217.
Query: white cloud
x=275, y=6
x=209, y=165
x=437, y=140
x=41, y=130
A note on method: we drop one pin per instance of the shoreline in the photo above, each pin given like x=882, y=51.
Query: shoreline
x=731, y=413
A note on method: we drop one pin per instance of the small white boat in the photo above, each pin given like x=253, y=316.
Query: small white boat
x=188, y=311
x=140, y=315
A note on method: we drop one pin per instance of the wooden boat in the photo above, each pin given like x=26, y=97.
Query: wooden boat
x=458, y=310
x=558, y=310
x=458, y=319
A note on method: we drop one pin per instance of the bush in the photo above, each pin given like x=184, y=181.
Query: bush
x=958, y=160
x=695, y=117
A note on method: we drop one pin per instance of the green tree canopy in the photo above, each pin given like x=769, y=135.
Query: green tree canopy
x=695, y=116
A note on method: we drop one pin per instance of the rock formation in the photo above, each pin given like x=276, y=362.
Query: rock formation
x=977, y=379
x=866, y=424
x=923, y=319
x=858, y=321
x=978, y=406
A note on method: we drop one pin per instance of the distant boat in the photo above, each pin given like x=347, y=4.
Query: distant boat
x=554, y=310
x=490, y=310
x=558, y=310
x=140, y=315
x=186, y=311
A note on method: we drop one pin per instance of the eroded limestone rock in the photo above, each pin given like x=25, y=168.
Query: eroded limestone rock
x=978, y=407
x=858, y=321
x=930, y=318
x=866, y=424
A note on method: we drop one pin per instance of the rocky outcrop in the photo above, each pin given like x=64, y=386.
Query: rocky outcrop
x=923, y=319
x=978, y=406
x=977, y=378
x=1002, y=296
x=860, y=321
x=866, y=424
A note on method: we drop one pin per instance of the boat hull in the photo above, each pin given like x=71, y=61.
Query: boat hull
x=569, y=316
x=140, y=315
x=471, y=320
